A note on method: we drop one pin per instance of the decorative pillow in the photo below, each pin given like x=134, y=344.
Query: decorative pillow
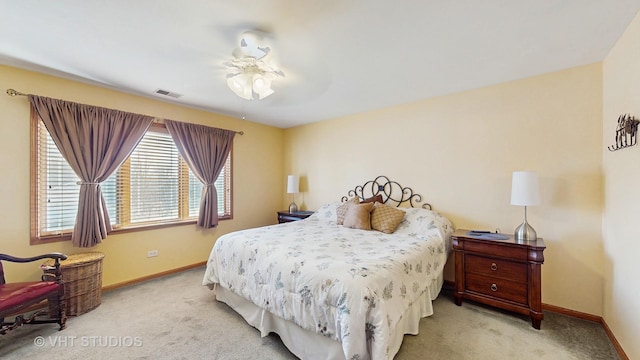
x=385, y=218
x=373, y=199
x=358, y=216
x=342, y=209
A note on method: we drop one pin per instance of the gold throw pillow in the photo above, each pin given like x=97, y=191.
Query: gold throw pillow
x=386, y=218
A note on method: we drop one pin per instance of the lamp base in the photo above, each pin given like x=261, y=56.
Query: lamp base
x=525, y=232
x=293, y=207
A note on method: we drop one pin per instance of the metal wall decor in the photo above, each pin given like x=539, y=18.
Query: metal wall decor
x=626, y=132
x=392, y=193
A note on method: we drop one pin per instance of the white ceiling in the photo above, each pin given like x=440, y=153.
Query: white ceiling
x=340, y=57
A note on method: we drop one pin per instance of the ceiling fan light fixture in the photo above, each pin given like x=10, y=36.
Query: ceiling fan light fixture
x=248, y=76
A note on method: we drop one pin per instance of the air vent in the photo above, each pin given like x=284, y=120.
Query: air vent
x=168, y=93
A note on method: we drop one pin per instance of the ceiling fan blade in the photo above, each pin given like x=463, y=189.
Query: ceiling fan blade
x=252, y=44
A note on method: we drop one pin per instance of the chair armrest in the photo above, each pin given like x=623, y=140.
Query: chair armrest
x=57, y=256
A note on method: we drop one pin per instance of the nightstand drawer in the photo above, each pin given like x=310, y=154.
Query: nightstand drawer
x=496, y=249
x=497, y=268
x=499, y=288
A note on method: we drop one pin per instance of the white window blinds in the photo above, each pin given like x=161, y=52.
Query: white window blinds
x=154, y=186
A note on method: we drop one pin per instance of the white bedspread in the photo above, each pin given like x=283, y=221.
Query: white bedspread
x=350, y=285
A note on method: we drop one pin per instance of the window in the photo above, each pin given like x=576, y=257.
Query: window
x=153, y=187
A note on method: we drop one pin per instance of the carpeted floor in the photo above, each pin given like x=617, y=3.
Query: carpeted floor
x=175, y=317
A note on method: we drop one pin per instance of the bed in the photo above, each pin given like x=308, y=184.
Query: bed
x=332, y=290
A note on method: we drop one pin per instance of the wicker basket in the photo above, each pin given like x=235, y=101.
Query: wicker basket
x=82, y=278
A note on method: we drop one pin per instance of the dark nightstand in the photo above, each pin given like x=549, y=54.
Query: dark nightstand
x=286, y=216
x=502, y=273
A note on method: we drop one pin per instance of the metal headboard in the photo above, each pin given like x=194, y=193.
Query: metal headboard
x=392, y=193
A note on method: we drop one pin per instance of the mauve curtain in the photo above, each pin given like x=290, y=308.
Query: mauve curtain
x=205, y=149
x=95, y=142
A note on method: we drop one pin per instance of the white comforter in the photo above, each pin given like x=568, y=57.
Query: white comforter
x=350, y=285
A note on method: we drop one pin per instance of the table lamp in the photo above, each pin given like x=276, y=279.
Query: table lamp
x=525, y=192
x=293, y=184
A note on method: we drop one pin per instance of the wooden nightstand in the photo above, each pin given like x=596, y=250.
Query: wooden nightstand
x=286, y=216
x=501, y=273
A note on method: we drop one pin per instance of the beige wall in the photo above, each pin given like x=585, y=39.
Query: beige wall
x=459, y=152
x=254, y=202
x=621, y=95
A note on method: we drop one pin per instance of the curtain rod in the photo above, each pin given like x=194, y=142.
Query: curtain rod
x=12, y=92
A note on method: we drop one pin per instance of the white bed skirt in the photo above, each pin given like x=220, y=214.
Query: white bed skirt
x=310, y=345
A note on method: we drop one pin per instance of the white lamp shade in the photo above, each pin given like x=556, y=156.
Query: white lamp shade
x=524, y=188
x=262, y=85
x=293, y=184
x=241, y=85
x=265, y=93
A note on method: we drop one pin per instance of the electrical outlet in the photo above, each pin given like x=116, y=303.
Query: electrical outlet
x=152, y=253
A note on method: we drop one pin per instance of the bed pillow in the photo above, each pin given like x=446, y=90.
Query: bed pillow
x=358, y=216
x=373, y=199
x=326, y=213
x=420, y=223
x=342, y=209
x=385, y=218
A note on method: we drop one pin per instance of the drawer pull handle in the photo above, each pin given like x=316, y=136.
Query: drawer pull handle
x=494, y=287
x=494, y=267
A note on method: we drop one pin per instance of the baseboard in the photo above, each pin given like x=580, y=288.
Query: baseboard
x=589, y=317
x=572, y=313
x=615, y=342
x=152, y=276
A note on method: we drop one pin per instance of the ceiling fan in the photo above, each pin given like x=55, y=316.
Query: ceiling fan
x=249, y=75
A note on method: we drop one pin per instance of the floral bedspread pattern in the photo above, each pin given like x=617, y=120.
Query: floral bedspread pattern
x=350, y=285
